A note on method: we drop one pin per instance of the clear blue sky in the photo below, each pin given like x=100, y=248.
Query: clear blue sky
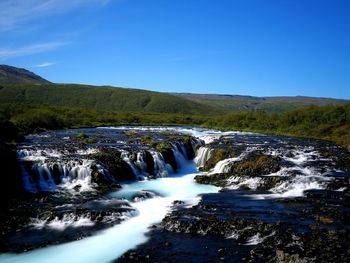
x=253, y=47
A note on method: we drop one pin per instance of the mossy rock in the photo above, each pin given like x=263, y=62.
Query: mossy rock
x=111, y=159
x=213, y=179
x=219, y=154
x=185, y=140
x=256, y=165
x=131, y=133
x=147, y=140
x=166, y=151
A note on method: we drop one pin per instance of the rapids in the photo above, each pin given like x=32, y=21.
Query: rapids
x=70, y=170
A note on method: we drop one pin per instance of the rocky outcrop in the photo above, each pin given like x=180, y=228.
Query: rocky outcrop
x=253, y=165
x=219, y=154
x=112, y=160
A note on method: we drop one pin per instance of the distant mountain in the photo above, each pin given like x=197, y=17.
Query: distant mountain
x=250, y=103
x=9, y=74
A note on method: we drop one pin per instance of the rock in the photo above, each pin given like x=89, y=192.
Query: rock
x=280, y=256
x=111, y=158
x=143, y=195
x=167, y=152
x=77, y=188
x=219, y=154
x=148, y=159
x=256, y=164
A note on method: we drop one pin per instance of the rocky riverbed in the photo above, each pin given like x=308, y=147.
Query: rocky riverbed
x=263, y=198
x=281, y=200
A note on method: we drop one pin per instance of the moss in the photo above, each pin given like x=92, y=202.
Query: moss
x=217, y=155
x=147, y=140
x=256, y=165
x=92, y=140
x=131, y=133
x=325, y=220
x=82, y=136
x=213, y=179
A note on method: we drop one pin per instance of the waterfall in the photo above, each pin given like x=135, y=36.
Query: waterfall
x=62, y=174
x=203, y=155
x=126, y=158
x=45, y=180
x=141, y=164
x=224, y=166
x=27, y=181
x=161, y=168
x=53, y=169
x=179, y=153
x=79, y=174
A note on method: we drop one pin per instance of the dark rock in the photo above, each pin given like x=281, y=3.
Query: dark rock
x=111, y=159
x=166, y=151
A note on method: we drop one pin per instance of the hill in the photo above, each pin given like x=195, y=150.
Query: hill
x=102, y=98
x=24, y=87
x=9, y=74
x=250, y=103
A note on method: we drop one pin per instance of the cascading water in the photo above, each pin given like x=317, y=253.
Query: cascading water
x=148, y=201
x=203, y=155
x=53, y=169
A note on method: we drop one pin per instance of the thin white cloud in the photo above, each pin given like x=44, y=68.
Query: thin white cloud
x=44, y=65
x=15, y=12
x=29, y=50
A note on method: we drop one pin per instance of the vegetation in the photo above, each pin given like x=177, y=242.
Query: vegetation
x=250, y=103
x=101, y=98
x=217, y=155
x=321, y=122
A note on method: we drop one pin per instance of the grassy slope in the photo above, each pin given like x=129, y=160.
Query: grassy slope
x=249, y=103
x=102, y=98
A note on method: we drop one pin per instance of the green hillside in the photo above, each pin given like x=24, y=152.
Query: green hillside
x=101, y=98
x=9, y=74
x=250, y=103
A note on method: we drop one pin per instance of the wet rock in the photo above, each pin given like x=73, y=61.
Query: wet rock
x=135, y=257
x=166, y=150
x=77, y=188
x=280, y=257
x=219, y=154
x=148, y=159
x=178, y=202
x=143, y=195
x=256, y=164
x=111, y=159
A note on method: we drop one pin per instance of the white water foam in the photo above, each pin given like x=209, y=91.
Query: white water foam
x=257, y=239
x=68, y=220
x=247, y=182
